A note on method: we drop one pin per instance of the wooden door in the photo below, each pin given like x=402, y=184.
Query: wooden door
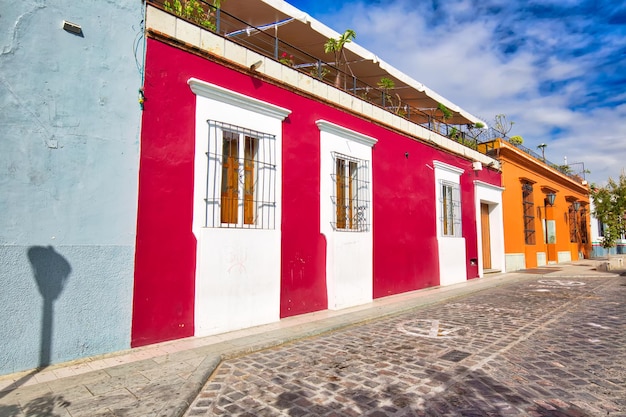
x=484, y=224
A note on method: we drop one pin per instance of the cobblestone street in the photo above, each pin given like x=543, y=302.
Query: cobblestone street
x=541, y=347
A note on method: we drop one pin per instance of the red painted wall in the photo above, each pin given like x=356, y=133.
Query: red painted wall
x=303, y=251
x=165, y=255
x=405, y=246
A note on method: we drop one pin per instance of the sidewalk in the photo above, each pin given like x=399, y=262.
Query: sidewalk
x=163, y=379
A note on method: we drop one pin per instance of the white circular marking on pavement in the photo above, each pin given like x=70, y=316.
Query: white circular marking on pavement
x=561, y=283
x=432, y=329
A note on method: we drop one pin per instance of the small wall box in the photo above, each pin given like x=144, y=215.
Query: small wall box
x=72, y=27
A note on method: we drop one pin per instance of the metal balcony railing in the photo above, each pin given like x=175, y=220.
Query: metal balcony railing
x=485, y=145
x=207, y=16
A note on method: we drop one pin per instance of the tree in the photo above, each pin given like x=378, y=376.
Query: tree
x=610, y=209
x=502, y=125
x=386, y=84
x=336, y=47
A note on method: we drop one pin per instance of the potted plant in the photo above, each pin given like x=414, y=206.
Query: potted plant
x=193, y=10
x=286, y=59
x=386, y=85
x=335, y=46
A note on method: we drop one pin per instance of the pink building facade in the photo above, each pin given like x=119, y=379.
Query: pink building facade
x=260, y=200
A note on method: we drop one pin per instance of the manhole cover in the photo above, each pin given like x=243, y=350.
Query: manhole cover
x=455, y=356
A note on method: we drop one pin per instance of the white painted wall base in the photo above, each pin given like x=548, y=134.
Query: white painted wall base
x=541, y=259
x=237, y=281
x=564, y=256
x=452, y=272
x=515, y=261
x=349, y=283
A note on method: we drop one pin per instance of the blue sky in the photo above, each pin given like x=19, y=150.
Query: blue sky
x=555, y=68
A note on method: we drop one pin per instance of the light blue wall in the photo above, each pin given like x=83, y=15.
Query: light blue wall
x=69, y=145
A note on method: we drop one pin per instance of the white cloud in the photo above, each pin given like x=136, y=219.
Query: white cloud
x=535, y=71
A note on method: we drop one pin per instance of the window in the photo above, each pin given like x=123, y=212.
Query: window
x=241, y=177
x=351, y=196
x=578, y=225
x=572, y=224
x=450, y=209
x=529, y=213
x=583, y=225
x=600, y=228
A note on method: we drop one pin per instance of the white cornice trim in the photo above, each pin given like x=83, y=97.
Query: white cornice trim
x=212, y=91
x=326, y=126
x=447, y=167
x=487, y=185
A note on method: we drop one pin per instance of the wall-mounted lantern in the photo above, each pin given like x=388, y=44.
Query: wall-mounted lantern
x=550, y=198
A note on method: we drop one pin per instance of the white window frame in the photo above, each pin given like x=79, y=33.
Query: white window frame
x=450, y=200
x=355, y=201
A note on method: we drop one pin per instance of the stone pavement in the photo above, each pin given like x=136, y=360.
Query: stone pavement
x=546, y=343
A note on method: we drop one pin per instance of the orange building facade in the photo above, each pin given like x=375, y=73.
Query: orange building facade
x=546, y=213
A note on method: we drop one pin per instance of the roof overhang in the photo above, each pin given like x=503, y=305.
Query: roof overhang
x=300, y=30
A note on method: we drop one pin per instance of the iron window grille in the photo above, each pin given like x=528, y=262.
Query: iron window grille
x=350, y=193
x=241, y=178
x=572, y=224
x=583, y=225
x=450, y=201
x=529, y=213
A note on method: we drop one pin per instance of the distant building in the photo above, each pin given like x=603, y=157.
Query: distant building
x=597, y=233
x=546, y=212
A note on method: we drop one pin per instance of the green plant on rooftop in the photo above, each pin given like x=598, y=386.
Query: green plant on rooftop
x=516, y=140
x=446, y=113
x=386, y=85
x=455, y=134
x=502, y=125
x=439, y=115
x=565, y=169
x=319, y=71
x=194, y=11
x=336, y=47
x=475, y=131
x=286, y=59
